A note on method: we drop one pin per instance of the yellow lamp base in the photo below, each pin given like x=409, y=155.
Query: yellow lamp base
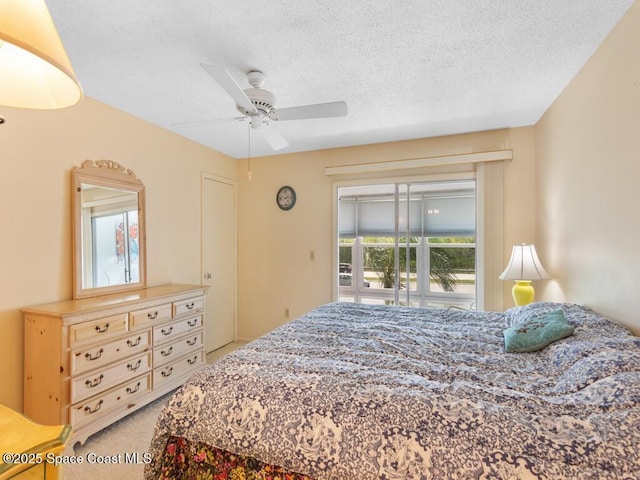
x=522, y=292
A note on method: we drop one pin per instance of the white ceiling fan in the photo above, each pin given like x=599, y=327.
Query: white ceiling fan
x=258, y=105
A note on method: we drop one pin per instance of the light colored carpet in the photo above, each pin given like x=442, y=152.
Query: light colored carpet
x=128, y=436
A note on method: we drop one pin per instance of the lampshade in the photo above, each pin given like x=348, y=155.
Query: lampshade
x=524, y=264
x=35, y=71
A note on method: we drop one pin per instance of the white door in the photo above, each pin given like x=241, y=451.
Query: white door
x=219, y=259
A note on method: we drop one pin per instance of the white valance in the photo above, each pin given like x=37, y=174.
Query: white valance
x=399, y=165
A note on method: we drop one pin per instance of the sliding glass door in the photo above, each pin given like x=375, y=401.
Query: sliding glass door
x=408, y=243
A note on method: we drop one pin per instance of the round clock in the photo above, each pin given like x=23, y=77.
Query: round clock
x=286, y=197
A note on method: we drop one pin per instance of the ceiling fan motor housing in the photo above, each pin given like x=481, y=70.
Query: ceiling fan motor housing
x=262, y=99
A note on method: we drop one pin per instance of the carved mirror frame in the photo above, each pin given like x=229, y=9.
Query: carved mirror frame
x=113, y=176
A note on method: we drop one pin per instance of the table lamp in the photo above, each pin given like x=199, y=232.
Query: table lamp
x=524, y=267
x=35, y=71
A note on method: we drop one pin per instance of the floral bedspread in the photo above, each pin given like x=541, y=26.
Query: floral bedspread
x=188, y=460
x=352, y=391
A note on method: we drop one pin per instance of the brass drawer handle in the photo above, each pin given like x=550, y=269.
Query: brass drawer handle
x=166, y=353
x=135, y=367
x=133, y=390
x=95, y=382
x=88, y=409
x=190, y=306
x=192, y=323
x=152, y=316
x=193, y=360
x=131, y=344
x=88, y=356
x=191, y=343
x=167, y=373
x=100, y=329
x=167, y=332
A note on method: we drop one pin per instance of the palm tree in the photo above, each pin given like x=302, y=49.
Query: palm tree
x=442, y=270
x=382, y=261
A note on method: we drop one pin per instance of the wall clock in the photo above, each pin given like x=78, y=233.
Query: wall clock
x=286, y=197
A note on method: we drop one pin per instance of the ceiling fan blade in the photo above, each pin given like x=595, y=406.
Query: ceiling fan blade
x=318, y=110
x=207, y=120
x=226, y=81
x=274, y=138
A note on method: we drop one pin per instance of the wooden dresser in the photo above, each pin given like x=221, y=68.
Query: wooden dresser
x=90, y=362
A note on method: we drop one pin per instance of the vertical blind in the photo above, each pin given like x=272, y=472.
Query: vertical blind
x=441, y=214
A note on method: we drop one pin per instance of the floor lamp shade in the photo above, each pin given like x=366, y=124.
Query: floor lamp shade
x=524, y=267
x=35, y=71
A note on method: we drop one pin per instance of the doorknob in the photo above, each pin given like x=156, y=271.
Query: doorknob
x=208, y=276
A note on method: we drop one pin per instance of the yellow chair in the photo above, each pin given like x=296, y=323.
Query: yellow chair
x=26, y=445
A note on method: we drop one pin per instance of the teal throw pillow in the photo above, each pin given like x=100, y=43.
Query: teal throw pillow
x=537, y=332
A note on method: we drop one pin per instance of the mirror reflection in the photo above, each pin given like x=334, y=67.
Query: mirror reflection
x=109, y=236
x=109, y=247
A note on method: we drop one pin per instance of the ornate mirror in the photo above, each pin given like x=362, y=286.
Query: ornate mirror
x=108, y=229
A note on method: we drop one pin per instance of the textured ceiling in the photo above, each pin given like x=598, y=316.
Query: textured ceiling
x=407, y=69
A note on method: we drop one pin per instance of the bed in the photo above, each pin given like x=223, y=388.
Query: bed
x=351, y=391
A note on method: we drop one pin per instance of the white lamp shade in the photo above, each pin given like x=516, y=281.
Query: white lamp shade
x=524, y=265
x=35, y=71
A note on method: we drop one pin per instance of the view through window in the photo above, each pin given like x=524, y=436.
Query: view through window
x=408, y=244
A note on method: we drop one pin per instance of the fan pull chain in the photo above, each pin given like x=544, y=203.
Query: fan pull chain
x=249, y=174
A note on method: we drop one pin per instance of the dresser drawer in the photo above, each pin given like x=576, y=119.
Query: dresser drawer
x=170, y=351
x=98, y=381
x=95, y=356
x=122, y=395
x=99, y=330
x=185, y=307
x=146, y=316
x=170, y=331
x=180, y=368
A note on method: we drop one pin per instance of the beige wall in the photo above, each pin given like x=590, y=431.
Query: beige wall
x=588, y=169
x=275, y=272
x=38, y=151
